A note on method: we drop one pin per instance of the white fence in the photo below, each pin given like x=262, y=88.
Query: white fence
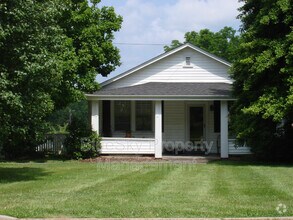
x=53, y=143
x=237, y=150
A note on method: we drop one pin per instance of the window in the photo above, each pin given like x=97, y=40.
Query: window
x=106, y=122
x=122, y=111
x=143, y=114
x=187, y=61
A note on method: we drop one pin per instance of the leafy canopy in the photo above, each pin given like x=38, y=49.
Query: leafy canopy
x=222, y=43
x=264, y=76
x=51, y=52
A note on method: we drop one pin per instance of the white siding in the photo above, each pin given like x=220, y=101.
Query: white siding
x=127, y=146
x=172, y=69
x=174, y=121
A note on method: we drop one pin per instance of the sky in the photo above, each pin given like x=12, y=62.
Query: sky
x=158, y=22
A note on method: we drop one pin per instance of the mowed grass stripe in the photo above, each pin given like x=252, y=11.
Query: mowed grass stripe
x=62, y=183
x=278, y=179
x=74, y=189
x=235, y=188
x=119, y=195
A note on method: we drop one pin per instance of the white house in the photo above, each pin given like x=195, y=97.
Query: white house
x=175, y=103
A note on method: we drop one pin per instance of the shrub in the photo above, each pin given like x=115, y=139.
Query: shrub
x=81, y=142
x=90, y=146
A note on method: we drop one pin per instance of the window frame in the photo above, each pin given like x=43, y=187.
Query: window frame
x=151, y=128
x=188, y=61
x=115, y=119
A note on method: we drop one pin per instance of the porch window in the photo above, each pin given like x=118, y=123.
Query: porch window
x=122, y=112
x=143, y=121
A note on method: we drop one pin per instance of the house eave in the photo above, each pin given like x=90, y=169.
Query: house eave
x=92, y=97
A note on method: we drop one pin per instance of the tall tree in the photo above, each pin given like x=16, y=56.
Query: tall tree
x=51, y=52
x=263, y=113
x=90, y=31
x=222, y=43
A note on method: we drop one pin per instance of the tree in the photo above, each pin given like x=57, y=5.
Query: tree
x=51, y=52
x=60, y=119
x=174, y=44
x=90, y=32
x=222, y=43
x=263, y=113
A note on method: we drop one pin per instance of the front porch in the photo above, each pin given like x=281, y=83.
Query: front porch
x=162, y=127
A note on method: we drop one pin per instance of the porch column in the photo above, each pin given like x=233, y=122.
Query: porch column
x=224, y=129
x=158, y=129
x=95, y=118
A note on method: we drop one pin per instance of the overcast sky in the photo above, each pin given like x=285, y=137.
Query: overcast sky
x=161, y=21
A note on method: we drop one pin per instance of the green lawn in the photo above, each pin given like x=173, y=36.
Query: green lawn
x=76, y=189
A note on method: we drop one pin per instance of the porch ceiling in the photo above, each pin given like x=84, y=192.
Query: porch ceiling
x=161, y=90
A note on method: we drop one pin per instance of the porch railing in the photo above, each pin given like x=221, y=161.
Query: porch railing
x=113, y=145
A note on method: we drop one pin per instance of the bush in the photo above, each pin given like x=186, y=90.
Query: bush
x=81, y=142
x=14, y=147
x=268, y=140
x=90, y=146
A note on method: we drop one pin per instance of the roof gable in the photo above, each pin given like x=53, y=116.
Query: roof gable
x=162, y=56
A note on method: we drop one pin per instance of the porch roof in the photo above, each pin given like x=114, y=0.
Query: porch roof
x=167, y=91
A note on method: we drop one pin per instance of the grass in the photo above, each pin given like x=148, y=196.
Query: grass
x=75, y=189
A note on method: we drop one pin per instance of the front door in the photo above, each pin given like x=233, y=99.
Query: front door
x=196, y=125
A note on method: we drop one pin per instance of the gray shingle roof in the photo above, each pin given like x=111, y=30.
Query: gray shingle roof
x=170, y=89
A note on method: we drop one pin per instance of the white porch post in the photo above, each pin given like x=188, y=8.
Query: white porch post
x=95, y=119
x=224, y=129
x=132, y=121
x=158, y=129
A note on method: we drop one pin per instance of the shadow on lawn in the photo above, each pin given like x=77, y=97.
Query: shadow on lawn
x=41, y=159
x=249, y=162
x=11, y=174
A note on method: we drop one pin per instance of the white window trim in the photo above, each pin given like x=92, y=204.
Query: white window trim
x=205, y=119
x=185, y=65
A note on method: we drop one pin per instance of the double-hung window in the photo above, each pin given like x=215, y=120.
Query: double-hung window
x=122, y=115
x=143, y=120
x=143, y=115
